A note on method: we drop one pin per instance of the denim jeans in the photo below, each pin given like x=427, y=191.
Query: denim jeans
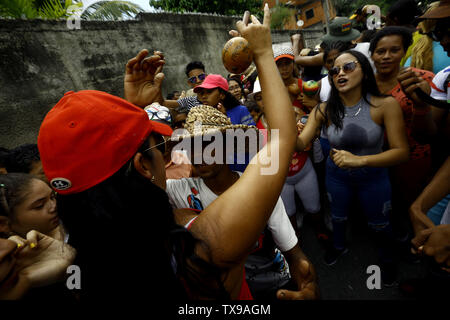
x=369, y=186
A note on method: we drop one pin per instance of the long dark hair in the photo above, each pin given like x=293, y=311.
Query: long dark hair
x=128, y=242
x=230, y=101
x=335, y=109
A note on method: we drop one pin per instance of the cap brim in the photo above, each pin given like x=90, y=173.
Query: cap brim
x=284, y=56
x=205, y=86
x=353, y=16
x=437, y=13
x=354, y=34
x=161, y=128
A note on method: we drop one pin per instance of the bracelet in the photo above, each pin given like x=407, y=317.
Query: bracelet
x=421, y=111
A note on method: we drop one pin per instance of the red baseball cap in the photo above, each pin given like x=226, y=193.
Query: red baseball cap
x=88, y=136
x=213, y=81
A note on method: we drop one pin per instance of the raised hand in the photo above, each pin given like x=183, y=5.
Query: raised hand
x=143, y=78
x=42, y=260
x=257, y=34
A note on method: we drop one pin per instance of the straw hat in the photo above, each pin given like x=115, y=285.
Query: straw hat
x=205, y=120
x=439, y=12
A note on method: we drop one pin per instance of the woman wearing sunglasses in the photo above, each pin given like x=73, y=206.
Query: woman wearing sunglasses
x=355, y=118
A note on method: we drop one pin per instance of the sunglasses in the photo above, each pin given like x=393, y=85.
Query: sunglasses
x=161, y=144
x=257, y=97
x=347, y=67
x=200, y=77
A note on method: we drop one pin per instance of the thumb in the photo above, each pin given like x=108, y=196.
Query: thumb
x=421, y=237
x=283, y=294
x=159, y=79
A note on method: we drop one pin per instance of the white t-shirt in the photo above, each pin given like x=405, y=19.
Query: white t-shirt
x=194, y=193
x=438, y=91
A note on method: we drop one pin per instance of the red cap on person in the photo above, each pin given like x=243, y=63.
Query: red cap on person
x=213, y=81
x=88, y=136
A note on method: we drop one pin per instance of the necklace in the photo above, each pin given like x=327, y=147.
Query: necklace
x=357, y=112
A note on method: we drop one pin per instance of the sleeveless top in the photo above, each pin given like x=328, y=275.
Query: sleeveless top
x=359, y=135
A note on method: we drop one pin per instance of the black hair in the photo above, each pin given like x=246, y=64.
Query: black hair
x=367, y=35
x=312, y=72
x=239, y=82
x=171, y=95
x=21, y=158
x=13, y=187
x=230, y=101
x=405, y=33
x=404, y=12
x=252, y=106
x=340, y=46
x=194, y=65
x=335, y=109
x=126, y=237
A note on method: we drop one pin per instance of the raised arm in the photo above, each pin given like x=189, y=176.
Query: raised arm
x=232, y=223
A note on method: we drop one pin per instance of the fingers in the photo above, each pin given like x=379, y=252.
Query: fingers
x=234, y=33
x=289, y=295
x=33, y=238
x=136, y=60
x=21, y=242
x=267, y=18
x=421, y=237
x=246, y=17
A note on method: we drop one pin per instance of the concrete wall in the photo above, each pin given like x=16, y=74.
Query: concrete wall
x=40, y=60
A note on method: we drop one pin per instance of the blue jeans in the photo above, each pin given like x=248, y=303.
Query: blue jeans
x=371, y=186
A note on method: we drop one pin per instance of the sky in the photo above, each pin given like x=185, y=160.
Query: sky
x=144, y=4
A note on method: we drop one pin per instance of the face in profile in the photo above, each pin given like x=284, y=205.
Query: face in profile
x=37, y=210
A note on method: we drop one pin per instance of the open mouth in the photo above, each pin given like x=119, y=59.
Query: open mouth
x=342, y=82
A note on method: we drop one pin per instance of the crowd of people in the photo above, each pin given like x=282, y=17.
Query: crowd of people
x=360, y=126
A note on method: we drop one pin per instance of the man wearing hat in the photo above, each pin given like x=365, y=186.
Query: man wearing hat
x=266, y=268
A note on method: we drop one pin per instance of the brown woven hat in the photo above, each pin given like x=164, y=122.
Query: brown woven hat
x=205, y=120
x=439, y=12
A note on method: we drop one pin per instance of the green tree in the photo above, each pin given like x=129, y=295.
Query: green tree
x=224, y=7
x=56, y=9
x=111, y=10
x=279, y=16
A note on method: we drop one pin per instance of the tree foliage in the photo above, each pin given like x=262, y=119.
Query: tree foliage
x=279, y=16
x=111, y=10
x=57, y=9
x=224, y=7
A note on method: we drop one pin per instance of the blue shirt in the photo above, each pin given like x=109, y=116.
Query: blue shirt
x=440, y=58
x=240, y=115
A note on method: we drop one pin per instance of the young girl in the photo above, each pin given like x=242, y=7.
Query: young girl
x=214, y=92
x=27, y=203
x=355, y=117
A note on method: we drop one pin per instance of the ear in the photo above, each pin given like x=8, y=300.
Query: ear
x=5, y=226
x=142, y=165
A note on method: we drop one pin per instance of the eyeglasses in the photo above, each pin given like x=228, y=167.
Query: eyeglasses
x=160, y=145
x=200, y=77
x=347, y=67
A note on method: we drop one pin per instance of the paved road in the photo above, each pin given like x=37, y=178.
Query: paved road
x=346, y=280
